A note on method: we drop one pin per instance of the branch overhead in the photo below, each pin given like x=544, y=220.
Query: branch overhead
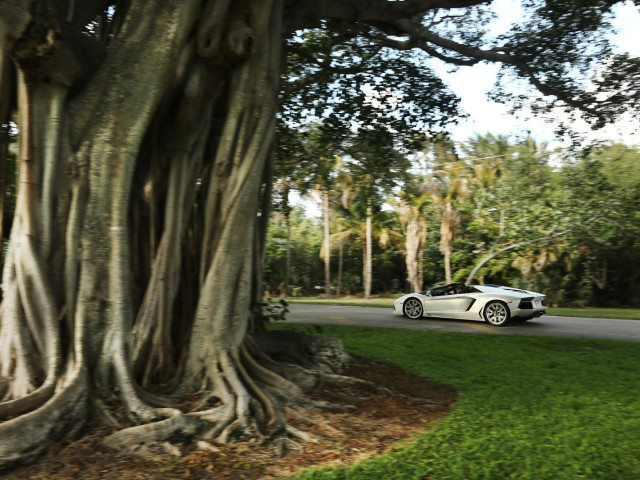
x=559, y=49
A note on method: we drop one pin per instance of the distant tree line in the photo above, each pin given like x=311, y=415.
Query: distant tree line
x=487, y=210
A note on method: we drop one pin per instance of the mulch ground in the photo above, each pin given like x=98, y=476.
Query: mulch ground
x=343, y=438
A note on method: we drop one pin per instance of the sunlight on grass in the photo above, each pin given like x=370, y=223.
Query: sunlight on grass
x=528, y=407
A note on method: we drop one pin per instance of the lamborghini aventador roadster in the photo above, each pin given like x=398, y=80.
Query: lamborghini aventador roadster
x=493, y=304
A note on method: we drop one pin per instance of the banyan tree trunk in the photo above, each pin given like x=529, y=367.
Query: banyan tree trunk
x=135, y=249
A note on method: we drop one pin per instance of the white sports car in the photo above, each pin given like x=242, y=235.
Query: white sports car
x=493, y=304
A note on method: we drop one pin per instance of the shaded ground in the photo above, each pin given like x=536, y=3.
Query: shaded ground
x=343, y=438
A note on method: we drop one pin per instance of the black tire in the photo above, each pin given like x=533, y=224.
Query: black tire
x=412, y=308
x=497, y=313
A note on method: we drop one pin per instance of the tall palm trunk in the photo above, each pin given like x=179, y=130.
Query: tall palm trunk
x=340, y=268
x=287, y=273
x=368, y=251
x=447, y=236
x=414, y=242
x=327, y=241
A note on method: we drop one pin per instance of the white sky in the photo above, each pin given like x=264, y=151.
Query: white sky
x=473, y=83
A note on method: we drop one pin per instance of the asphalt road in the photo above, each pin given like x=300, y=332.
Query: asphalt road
x=577, y=327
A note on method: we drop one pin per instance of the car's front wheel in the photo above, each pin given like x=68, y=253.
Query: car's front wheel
x=412, y=308
x=497, y=313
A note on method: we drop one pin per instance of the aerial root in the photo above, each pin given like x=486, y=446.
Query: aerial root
x=221, y=416
x=208, y=398
x=228, y=431
x=245, y=397
x=285, y=446
x=101, y=410
x=305, y=419
x=4, y=386
x=206, y=447
x=237, y=407
x=29, y=402
x=297, y=433
x=155, y=400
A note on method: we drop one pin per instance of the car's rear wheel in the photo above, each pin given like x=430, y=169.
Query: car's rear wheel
x=497, y=313
x=412, y=308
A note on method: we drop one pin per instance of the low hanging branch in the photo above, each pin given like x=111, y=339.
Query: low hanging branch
x=493, y=254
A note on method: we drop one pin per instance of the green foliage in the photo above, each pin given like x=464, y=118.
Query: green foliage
x=564, y=43
x=528, y=407
x=568, y=231
x=569, y=224
x=336, y=75
x=306, y=267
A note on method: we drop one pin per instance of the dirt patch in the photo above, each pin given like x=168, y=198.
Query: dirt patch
x=342, y=438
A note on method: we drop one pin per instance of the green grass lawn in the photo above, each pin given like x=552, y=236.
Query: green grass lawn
x=621, y=313
x=528, y=407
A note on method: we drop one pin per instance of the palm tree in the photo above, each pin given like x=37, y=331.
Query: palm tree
x=361, y=219
x=323, y=191
x=410, y=210
x=320, y=166
x=376, y=167
x=449, y=187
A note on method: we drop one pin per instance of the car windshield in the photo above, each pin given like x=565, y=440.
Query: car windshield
x=450, y=289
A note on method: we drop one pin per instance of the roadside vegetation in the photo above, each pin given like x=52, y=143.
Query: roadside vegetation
x=528, y=407
x=490, y=209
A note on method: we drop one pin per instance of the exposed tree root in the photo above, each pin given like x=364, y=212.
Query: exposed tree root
x=28, y=402
x=297, y=433
x=323, y=354
x=306, y=419
x=24, y=438
x=149, y=438
x=247, y=402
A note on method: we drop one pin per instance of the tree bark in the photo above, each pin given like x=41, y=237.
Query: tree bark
x=447, y=236
x=287, y=273
x=121, y=185
x=368, y=256
x=415, y=245
x=326, y=215
x=340, y=267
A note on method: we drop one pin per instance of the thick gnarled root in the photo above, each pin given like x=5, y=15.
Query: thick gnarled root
x=245, y=399
x=152, y=438
x=26, y=437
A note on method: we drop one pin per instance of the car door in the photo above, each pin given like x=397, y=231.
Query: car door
x=445, y=305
